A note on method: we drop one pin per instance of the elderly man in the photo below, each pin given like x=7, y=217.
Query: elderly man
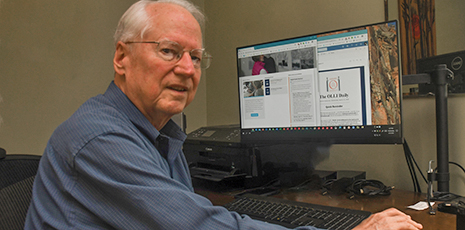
x=117, y=162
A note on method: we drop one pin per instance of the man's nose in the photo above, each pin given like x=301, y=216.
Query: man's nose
x=186, y=65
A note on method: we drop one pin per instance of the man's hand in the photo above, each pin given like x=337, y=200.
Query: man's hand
x=390, y=219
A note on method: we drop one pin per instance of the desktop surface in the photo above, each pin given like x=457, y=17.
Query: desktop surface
x=399, y=199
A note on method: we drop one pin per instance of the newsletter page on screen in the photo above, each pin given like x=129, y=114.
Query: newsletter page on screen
x=309, y=81
x=344, y=79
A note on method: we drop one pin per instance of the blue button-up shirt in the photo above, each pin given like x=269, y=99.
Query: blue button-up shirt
x=107, y=167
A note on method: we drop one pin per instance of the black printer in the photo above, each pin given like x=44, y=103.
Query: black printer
x=216, y=154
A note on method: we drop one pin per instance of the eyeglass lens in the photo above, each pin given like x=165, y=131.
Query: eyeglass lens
x=169, y=51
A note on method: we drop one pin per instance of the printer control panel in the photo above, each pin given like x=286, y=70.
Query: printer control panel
x=228, y=133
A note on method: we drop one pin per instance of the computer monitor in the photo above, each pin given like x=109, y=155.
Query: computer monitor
x=337, y=87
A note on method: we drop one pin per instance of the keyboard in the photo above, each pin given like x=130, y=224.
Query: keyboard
x=292, y=214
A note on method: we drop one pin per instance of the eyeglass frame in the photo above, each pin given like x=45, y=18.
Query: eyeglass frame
x=205, y=54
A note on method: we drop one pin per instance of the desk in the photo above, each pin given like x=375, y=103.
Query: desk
x=399, y=199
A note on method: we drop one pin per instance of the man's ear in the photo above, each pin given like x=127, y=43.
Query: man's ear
x=121, y=53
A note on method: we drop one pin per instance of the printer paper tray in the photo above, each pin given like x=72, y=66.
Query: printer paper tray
x=215, y=175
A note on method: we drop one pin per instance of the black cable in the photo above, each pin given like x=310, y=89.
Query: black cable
x=410, y=162
x=409, y=157
x=418, y=167
x=416, y=183
x=326, y=186
x=300, y=186
x=451, y=73
x=463, y=169
x=369, y=188
x=409, y=166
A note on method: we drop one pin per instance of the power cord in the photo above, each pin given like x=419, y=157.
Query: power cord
x=411, y=163
x=368, y=188
x=458, y=165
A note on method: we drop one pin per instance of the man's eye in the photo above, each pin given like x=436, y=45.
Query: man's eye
x=196, y=58
x=168, y=52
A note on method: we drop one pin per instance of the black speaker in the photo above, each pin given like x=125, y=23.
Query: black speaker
x=457, y=207
x=460, y=222
x=460, y=218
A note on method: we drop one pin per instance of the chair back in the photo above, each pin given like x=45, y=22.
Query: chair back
x=17, y=173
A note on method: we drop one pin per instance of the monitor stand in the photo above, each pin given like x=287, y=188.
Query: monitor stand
x=439, y=78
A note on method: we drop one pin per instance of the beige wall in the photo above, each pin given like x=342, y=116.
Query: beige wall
x=54, y=56
x=57, y=54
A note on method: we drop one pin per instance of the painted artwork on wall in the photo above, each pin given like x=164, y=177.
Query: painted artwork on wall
x=418, y=32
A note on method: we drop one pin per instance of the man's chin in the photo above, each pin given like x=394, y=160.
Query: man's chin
x=175, y=109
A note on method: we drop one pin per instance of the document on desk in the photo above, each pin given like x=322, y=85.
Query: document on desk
x=421, y=205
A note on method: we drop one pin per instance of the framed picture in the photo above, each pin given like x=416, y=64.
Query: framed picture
x=418, y=32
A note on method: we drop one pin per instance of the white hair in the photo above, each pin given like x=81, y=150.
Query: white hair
x=135, y=21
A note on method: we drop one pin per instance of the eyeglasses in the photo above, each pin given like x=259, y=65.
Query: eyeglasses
x=172, y=51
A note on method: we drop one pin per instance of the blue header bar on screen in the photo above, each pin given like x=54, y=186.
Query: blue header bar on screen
x=341, y=35
x=284, y=42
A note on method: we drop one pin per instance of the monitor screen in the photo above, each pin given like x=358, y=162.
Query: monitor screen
x=335, y=87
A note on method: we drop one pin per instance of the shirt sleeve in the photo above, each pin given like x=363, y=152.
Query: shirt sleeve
x=123, y=183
